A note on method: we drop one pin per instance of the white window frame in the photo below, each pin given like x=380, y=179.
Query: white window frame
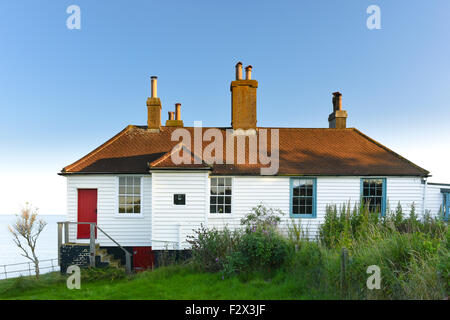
x=220, y=215
x=129, y=215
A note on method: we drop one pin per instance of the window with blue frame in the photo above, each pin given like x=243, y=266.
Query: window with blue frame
x=446, y=204
x=303, y=197
x=373, y=194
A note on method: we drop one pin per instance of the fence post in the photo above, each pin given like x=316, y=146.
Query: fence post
x=60, y=225
x=128, y=263
x=29, y=268
x=92, y=245
x=66, y=232
x=344, y=262
x=6, y=275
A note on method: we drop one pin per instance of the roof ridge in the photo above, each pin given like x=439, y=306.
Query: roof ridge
x=99, y=148
x=391, y=151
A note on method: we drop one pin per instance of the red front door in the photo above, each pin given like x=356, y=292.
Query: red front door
x=87, y=211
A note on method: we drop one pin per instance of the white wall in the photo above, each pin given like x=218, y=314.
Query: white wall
x=274, y=192
x=127, y=231
x=162, y=222
x=167, y=217
x=435, y=198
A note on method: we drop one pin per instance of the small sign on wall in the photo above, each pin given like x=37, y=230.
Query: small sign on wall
x=179, y=199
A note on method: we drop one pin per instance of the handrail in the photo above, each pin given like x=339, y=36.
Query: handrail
x=93, y=225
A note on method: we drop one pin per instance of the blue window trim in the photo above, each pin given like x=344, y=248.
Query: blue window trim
x=446, y=205
x=383, y=201
x=314, y=203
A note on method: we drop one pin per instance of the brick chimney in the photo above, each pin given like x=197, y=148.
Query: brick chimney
x=338, y=118
x=154, y=107
x=177, y=122
x=243, y=100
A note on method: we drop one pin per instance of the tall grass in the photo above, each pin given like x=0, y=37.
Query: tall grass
x=412, y=253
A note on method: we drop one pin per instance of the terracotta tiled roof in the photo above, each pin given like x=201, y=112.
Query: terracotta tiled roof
x=302, y=151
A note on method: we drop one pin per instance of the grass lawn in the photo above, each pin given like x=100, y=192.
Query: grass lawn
x=175, y=282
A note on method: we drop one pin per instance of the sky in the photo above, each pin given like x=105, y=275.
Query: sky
x=64, y=92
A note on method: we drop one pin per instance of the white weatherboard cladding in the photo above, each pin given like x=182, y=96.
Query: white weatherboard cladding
x=127, y=231
x=165, y=225
x=435, y=199
x=406, y=190
x=274, y=192
x=173, y=223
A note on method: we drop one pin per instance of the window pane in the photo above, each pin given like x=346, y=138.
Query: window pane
x=220, y=200
x=213, y=200
x=228, y=182
x=228, y=190
x=212, y=209
x=227, y=209
x=220, y=209
x=122, y=190
x=137, y=189
x=221, y=190
x=137, y=181
x=296, y=192
x=129, y=208
x=129, y=180
x=220, y=182
x=129, y=189
x=137, y=208
x=122, y=208
x=227, y=200
x=213, y=182
x=122, y=180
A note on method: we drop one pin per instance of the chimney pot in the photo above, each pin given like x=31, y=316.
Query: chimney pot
x=154, y=92
x=248, y=73
x=239, y=71
x=337, y=101
x=170, y=115
x=177, y=111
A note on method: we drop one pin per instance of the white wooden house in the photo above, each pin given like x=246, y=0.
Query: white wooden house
x=132, y=188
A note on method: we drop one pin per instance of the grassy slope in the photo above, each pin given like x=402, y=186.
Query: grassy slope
x=163, y=283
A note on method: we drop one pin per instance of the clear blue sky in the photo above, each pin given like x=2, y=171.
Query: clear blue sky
x=63, y=92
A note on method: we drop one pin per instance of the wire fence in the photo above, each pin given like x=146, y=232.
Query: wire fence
x=15, y=270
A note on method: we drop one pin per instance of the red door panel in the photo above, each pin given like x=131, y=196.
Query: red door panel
x=87, y=211
x=142, y=258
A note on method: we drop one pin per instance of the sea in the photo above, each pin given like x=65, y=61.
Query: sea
x=46, y=248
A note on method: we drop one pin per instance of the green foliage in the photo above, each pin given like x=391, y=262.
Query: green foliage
x=262, y=217
x=95, y=274
x=257, y=247
x=257, y=250
x=211, y=247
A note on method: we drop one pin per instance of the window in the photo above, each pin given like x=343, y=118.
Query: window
x=179, y=199
x=129, y=195
x=220, y=198
x=303, y=197
x=373, y=194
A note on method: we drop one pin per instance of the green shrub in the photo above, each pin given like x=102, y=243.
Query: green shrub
x=258, y=250
x=211, y=247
